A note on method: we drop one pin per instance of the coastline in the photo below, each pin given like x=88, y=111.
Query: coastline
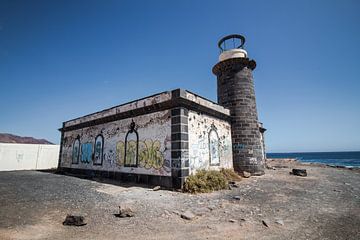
x=348, y=159
x=279, y=161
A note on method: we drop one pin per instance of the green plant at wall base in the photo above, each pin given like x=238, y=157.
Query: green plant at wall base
x=205, y=181
x=230, y=174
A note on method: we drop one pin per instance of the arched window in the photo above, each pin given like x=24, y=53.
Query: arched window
x=98, y=150
x=76, y=151
x=214, y=147
x=86, y=152
x=131, y=147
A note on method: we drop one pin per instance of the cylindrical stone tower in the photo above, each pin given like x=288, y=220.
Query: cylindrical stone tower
x=235, y=88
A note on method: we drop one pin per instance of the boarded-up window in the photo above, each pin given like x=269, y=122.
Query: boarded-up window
x=98, y=151
x=86, y=152
x=214, y=147
x=76, y=151
x=131, y=148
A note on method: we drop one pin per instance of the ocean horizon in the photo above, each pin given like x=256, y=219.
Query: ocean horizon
x=349, y=159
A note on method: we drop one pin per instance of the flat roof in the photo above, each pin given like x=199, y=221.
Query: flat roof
x=153, y=103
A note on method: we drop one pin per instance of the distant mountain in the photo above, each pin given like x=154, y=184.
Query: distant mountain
x=10, y=138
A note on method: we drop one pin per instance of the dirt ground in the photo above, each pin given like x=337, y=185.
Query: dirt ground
x=323, y=205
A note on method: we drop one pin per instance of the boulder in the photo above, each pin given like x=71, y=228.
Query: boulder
x=237, y=198
x=299, y=172
x=188, y=215
x=246, y=174
x=125, y=212
x=280, y=222
x=71, y=220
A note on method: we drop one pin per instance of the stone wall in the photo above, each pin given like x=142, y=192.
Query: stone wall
x=209, y=143
x=236, y=92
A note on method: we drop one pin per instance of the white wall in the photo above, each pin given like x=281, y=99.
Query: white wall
x=199, y=151
x=154, y=130
x=15, y=156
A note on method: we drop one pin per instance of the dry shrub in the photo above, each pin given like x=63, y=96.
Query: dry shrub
x=205, y=181
x=230, y=175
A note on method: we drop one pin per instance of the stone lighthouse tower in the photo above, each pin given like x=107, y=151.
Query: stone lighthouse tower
x=235, y=88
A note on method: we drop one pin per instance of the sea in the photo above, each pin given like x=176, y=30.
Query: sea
x=345, y=159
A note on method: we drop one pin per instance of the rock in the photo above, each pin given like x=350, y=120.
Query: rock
x=232, y=185
x=157, y=188
x=188, y=215
x=264, y=223
x=200, y=202
x=246, y=174
x=280, y=222
x=211, y=207
x=71, y=220
x=125, y=212
x=299, y=172
x=237, y=198
x=232, y=220
x=271, y=167
x=201, y=211
x=176, y=212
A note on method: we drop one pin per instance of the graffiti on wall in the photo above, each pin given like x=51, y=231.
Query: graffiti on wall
x=76, y=151
x=225, y=146
x=131, y=147
x=131, y=153
x=238, y=146
x=199, y=149
x=214, y=147
x=149, y=153
x=110, y=157
x=98, y=151
x=120, y=153
x=210, y=143
x=86, y=152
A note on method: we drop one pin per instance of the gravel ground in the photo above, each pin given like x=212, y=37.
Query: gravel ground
x=323, y=205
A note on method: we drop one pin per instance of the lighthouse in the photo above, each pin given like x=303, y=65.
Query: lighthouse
x=235, y=90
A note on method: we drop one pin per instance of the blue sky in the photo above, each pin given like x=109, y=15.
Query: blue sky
x=64, y=59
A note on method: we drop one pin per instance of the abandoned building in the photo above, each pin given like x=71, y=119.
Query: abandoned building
x=163, y=138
